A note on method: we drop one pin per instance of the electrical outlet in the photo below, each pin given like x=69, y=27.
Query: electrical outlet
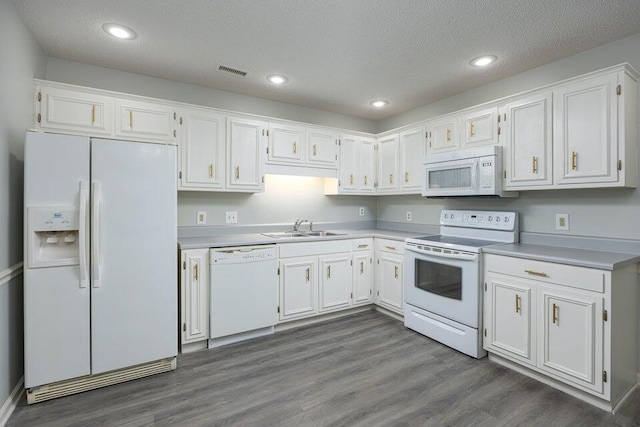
x=232, y=217
x=201, y=218
x=562, y=222
x=361, y=211
x=408, y=215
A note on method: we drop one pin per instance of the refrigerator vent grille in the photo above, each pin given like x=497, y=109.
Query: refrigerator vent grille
x=78, y=385
x=232, y=70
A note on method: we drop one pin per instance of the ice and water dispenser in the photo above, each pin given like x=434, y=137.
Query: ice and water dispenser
x=54, y=238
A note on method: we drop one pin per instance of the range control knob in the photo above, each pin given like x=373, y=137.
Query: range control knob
x=497, y=219
x=446, y=216
x=451, y=216
x=506, y=219
x=490, y=218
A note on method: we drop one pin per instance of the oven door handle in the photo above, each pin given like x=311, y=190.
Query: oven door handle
x=464, y=256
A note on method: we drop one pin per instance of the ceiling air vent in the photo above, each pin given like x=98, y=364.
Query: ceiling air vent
x=232, y=71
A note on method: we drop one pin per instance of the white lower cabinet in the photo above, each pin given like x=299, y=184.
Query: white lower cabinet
x=573, y=327
x=362, y=275
x=388, y=275
x=298, y=287
x=194, y=295
x=335, y=281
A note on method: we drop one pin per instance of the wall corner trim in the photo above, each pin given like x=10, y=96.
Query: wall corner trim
x=7, y=275
x=12, y=401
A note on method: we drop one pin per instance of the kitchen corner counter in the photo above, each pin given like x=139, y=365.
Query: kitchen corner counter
x=228, y=240
x=562, y=255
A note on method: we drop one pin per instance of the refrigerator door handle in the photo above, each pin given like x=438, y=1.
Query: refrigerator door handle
x=82, y=231
x=95, y=234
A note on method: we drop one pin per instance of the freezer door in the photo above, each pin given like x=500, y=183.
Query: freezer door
x=56, y=300
x=134, y=240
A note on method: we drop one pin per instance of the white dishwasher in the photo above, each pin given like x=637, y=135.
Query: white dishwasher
x=244, y=293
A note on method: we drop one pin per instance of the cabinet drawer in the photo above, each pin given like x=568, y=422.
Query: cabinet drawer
x=288, y=250
x=589, y=279
x=387, y=245
x=362, y=244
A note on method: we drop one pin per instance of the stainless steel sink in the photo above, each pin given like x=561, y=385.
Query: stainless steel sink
x=281, y=234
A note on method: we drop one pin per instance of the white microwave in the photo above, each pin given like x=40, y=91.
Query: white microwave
x=465, y=173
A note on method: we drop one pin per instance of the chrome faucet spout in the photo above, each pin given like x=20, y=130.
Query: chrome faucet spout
x=298, y=223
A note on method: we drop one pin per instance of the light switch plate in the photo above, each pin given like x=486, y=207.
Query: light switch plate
x=201, y=218
x=562, y=222
x=232, y=217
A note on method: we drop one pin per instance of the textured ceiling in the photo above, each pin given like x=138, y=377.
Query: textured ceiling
x=337, y=54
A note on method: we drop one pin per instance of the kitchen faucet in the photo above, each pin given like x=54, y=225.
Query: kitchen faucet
x=299, y=222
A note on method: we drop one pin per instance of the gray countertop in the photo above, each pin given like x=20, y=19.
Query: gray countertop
x=227, y=240
x=562, y=255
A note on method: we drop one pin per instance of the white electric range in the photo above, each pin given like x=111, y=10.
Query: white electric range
x=443, y=275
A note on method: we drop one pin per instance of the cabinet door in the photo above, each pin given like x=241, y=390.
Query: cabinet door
x=194, y=295
x=412, y=152
x=202, y=149
x=79, y=112
x=322, y=148
x=443, y=135
x=146, y=121
x=480, y=127
x=366, y=170
x=586, y=131
x=570, y=335
x=528, y=150
x=389, y=292
x=286, y=144
x=335, y=281
x=388, y=164
x=298, y=287
x=245, y=145
x=509, y=307
x=362, y=278
x=348, y=158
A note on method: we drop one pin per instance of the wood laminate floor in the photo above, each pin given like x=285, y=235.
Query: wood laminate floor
x=362, y=370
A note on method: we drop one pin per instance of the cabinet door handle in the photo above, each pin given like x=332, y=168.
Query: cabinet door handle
x=195, y=272
x=93, y=114
x=518, y=306
x=365, y=180
x=131, y=119
x=534, y=164
x=361, y=267
x=315, y=149
x=448, y=134
x=406, y=177
x=396, y=271
x=391, y=178
x=295, y=148
x=211, y=170
x=472, y=132
x=329, y=272
x=574, y=160
x=536, y=273
x=556, y=314
x=237, y=173
x=351, y=179
x=308, y=274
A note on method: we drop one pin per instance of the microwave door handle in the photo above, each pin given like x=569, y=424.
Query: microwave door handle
x=474, y=175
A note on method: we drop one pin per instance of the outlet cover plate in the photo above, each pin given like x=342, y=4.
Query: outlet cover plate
x=408, y=215
x=562, y=222
x=232, y=217
x=361, y=211
x=201, y=218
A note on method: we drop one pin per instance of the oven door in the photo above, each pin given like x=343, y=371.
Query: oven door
x=450, y=178
x=445, y=284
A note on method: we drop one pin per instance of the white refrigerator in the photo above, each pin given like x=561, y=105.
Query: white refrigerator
x=100, y=276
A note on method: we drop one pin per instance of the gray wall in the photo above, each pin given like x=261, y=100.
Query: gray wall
x=22, y=60
x=60, y=70
x=601, y=212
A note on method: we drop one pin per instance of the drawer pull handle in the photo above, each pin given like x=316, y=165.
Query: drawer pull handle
x=391, y=248
x=363, y=246
x=536, y=273
x=518, y=306
x=556, y=314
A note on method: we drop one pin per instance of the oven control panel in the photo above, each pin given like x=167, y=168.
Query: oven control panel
x=490, y=220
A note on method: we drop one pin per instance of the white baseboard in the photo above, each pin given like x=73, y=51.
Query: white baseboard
x=12, y=401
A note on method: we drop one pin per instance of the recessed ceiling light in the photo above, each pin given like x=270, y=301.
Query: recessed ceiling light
x=119, y=31
x=483, y=61
x=277, y=79
x=379, y=103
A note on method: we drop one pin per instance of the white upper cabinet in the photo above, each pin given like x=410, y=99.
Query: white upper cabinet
x=357, y=171
x=388, y=164
x=286, y=144
x=479, y=127
x=412, y=152
x=322, y=148
x=366, y=170
x=245, y=148
x=145, y=121
x=443, y=134
x=527, y=131
x=202, y=150
x=73, y=111
x=349, y=146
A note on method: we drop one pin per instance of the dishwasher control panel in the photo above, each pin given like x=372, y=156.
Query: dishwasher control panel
x=243, y=254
